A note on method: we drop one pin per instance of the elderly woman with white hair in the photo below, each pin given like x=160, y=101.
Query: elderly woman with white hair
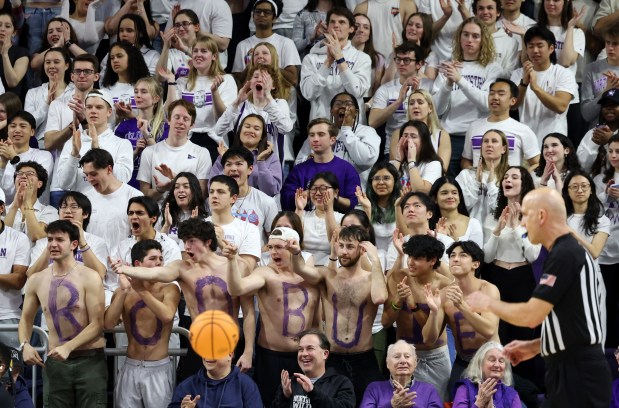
x=487, y=381
x=401, y=390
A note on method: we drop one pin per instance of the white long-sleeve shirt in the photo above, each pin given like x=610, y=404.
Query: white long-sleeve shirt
x=479, y=198
x=36, y=103
x=319, y=83
x=69, y=175
x=359, y=147
x=43, y=157
x=511, y=246
x=467, y=100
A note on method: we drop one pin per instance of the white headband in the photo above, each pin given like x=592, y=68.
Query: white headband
x=271, y=2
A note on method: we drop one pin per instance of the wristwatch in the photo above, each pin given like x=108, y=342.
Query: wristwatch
x=15, y=160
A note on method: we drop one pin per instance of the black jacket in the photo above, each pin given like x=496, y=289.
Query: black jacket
x=332, y=390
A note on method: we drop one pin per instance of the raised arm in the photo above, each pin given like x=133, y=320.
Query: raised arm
x=237, y=284
x=378, y=286
x=168, y=273
x=114, y=311
x=310, y=274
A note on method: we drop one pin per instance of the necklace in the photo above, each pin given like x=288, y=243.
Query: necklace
x=65, y=275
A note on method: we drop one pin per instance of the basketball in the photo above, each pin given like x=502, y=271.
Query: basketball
x=214, y=334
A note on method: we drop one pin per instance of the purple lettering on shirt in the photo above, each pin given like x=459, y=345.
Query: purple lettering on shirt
x=64, y=312
x=212, y=280
x=135, y=331
x=355, y=340
x=293, y=312
x=461, y=335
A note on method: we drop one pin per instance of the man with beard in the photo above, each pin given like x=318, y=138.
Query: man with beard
x=357, y=144
x=287, y=305
x=350, y=297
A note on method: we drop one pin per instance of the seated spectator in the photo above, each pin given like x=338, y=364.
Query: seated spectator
x=402, y=389
x=98, y=110
x=267, y=169
x=597, y=138
x=59, y=34
x=322, y=135
x=132, y=30
x=487, y=381
x=557, y=160
x=356, y=143
x=13, y=390
x=335, y=66
x=416, y=159
x=322, y=220
x=21, y=127
x=149, y=127
x=178, y=41
x=185, y=200
x=14, y=62
x=217, y=384
x=207, y=87
x=162, y=161
x=316, y=386
x=27, y=214
x=56, y=64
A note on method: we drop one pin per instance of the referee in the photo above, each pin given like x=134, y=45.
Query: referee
x=567, y=303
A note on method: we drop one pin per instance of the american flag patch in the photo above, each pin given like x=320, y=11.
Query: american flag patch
x=548, y=280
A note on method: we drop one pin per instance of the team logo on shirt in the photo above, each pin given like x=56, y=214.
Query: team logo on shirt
x=200, y=98
x=2, y=252
x=395, y=11
x=190, y=157
x=127, y=99
x=548, y=280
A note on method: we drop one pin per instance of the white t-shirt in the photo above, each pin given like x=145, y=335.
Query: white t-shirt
x=122, y=93
x=431, y=171
x=97, y=246
x=507, y=55
x=522, y=142
x=109, y=214
x=244, y=235
x=286, y=51
x=541, y=119
x=178, y=63
x=256, y=208
x=575, y=222
x=579, y=47
x=523, y=21
x=14, y=250
x=315, y=239
x=202, y=98
x=188, y=157
x=610, y=253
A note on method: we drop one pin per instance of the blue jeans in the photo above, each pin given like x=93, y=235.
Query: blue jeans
x=37, y=19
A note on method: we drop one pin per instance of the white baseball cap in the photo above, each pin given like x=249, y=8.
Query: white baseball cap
x=284, y=233
x=101, y=93
x=3, y=197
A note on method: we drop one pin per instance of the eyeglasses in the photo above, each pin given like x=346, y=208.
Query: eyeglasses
x=405, y=61
x=25, y=174
x=183, y=24
x=322, y=189
x=576, y=187
x=263, y=12
x=84, y=72
x=343, y=103
x=72, y=207
x=384, y=179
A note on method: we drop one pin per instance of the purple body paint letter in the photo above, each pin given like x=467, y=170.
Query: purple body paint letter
x=461, y=335
x=212, y=280
x=133, y=317
x=355, y=340
x=293, y=312
x=64, y=312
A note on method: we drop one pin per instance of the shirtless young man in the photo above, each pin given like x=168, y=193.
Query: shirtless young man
x=407, y=305
x=350, y=297
x=287, y=304
x=202, y=279
x=71, y=295
x=147, y=308
x=448, y=306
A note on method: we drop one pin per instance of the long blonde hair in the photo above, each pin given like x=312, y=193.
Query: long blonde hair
x=432, y=121
x=282, y=86
x=215, y=68
x=487, y=52
x=155, y=89
x=499, y=170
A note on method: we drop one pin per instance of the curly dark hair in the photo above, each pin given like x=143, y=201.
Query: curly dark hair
x=199, y=229
x=424, y=246
x=526, y=186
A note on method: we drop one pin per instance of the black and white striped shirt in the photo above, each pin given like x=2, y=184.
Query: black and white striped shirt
x=572, y=283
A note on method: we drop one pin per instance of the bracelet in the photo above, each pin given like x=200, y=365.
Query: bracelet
x=27, y=209
x=85, y=249
x=523, y=84
x=412, y=165
x=171, y=83
x=340, y=61
x=395, y=307
x=543, y=185
x=333, y=260
x=21, y=346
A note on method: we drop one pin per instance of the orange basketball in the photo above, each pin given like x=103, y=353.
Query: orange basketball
x=214, y=334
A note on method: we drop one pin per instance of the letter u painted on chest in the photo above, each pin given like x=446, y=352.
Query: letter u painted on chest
x=355, y=340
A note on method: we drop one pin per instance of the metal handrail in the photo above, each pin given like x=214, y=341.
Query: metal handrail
x=110, y=352
x=40, y=349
